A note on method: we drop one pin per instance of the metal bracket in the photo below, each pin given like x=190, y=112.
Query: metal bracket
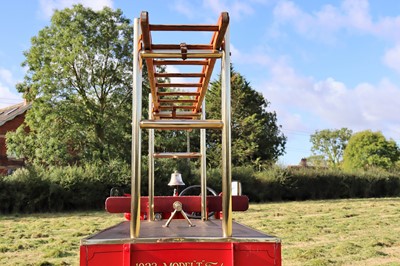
x=178, y=208
x=183, y=50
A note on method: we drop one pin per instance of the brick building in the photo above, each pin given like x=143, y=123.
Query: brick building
x=11, y=118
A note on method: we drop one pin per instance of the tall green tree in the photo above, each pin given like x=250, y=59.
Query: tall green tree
x=330, y=144
x=256, y=136
x=79, y=79
x=367, y=149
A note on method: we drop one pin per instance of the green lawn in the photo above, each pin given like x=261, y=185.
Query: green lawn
x=336, y=232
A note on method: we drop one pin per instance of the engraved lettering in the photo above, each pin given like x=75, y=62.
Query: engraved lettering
x=188, y=263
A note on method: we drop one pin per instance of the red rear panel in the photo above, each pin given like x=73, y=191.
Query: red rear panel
x=255, y=254
x=183, y=254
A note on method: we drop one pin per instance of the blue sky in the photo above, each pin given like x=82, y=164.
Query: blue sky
x=321, y=64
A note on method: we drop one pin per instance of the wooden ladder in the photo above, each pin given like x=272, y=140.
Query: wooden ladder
x=181, y=102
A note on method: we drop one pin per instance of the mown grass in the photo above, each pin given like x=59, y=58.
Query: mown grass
x=48, y=239
x=334, y=232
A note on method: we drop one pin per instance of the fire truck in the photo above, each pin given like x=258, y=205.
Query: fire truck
x=180, y=230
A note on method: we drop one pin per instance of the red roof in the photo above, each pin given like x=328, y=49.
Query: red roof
x=10, y=112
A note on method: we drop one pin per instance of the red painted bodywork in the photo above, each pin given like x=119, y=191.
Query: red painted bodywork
x=183, y=254
x=163, y=205
x=180, y=253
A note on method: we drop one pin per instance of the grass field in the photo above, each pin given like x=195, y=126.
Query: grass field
x=336, y=232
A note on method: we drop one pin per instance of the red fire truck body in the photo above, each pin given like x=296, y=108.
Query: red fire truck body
x=203, y=247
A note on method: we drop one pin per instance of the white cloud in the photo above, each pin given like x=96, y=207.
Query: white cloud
x=237, y=9
x=255, y=56
x=329, y=17
x=240, y=9
x=305, y=103
x=6, y=76
x=357, y=14
x=379, y=103
x=388, y=27
x=288, y=12
x=205, y=8
x=215, y=5
x=48, y=6
x=323, y=24
x=330, y=102
x=320, y=25
x=7, y=97
x=184, y=7
x=392, y=58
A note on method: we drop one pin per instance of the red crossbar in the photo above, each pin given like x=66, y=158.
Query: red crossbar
x=164, y=203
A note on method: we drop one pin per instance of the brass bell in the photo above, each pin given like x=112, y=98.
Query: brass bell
x=176, y=179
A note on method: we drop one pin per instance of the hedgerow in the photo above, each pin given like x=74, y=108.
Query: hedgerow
x=38, y=189
x=41, y=189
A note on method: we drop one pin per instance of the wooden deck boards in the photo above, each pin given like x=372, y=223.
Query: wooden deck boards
x=179, y=231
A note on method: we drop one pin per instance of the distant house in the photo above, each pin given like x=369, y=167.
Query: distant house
x=11, y=118
x=303, y=164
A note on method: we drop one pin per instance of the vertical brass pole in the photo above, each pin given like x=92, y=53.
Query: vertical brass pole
x=226, y=139
x=203, y=171
x=136, y=116
x=151, y=163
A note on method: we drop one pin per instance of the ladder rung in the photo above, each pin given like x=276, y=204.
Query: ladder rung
x=157, y=27
x=178, y=46
x=177, y=100
x=170, y=117
x=181, y=85
x=171, y=107
x=181, y=124
x=179, y=75
x=178, y=93
x=179, y=62
x=213, y=54
x=178, y=115
x=176, y=155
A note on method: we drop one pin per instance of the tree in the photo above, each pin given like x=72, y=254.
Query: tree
x=316, y=161
x=367, y=149
x=256, y=137
x=330, y=144
x=79, y=79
